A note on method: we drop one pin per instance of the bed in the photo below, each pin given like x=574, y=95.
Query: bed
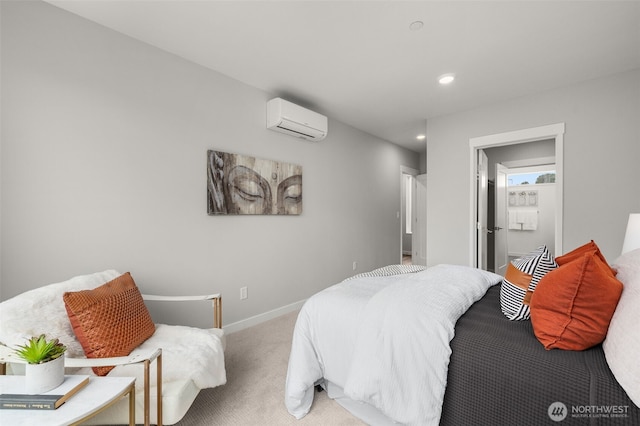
x=416, y=346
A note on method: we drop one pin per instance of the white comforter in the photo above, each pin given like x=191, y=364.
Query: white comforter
x=384, y=340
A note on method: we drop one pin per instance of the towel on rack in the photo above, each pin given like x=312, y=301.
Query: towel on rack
x=530, y=220
x=513, y=220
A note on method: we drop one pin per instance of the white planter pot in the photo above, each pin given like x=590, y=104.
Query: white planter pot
x=40, y=378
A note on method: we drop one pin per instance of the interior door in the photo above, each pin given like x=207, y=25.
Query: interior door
x=419, y=234
x=500, y=230
x=483, y=197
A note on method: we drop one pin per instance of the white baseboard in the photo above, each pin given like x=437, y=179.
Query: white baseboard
x=258, y=319
x=516, y=254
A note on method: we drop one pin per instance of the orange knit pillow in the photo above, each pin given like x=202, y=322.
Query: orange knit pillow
x=110, y=320
x=573, y=304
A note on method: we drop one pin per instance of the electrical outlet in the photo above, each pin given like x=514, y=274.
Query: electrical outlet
x=355, y=265
x=243, y=293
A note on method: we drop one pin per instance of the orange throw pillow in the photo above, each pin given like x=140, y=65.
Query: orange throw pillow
x=580, y=251
x=573, y=305
x=110, y=320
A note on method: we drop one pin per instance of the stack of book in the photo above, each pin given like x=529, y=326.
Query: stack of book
x=14, y=396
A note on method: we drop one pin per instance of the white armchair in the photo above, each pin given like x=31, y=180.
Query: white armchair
x=193, y=358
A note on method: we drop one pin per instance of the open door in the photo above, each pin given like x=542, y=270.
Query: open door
x=477, y=238
x=481, y=212
x=500, y=228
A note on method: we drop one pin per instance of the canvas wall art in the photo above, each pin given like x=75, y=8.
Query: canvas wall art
x=240, y=184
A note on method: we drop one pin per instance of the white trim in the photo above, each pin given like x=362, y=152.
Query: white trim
x=531, y=162
x=529, y=169
x=551, y=131
x=516, y=254
x=260, y=318
x=404, y=170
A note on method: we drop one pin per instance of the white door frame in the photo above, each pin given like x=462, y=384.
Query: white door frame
x=501, y=240
x=482, y=188
x=404, y=170
x=551, y=131
x=419, y=230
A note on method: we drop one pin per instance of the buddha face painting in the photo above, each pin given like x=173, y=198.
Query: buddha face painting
x=238, y=184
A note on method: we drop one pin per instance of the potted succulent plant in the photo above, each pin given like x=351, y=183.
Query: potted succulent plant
x=45, y=363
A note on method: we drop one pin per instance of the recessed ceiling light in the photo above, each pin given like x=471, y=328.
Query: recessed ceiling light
x=446, y=78
x=420, y=137
x=416, y=25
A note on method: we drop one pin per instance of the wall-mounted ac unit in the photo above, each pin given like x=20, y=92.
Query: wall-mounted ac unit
x=286, y=117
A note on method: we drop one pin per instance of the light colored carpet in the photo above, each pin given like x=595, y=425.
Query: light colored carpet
x=256, y=361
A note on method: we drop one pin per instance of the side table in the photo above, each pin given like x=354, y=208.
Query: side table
x=99, y=394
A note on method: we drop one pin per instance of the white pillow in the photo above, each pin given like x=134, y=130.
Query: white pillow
x=622, y=344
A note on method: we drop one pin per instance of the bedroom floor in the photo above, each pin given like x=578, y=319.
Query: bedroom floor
x=256, y=362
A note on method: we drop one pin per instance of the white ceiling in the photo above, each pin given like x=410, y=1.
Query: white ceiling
x=358, y=61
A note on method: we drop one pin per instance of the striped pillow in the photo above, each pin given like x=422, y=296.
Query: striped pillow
x=521, y=279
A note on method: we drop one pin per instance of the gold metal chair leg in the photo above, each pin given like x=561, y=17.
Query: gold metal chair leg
x=159, y=387
x=132, y=405
x=147, y=403
x=147, y=421
x=217, y=312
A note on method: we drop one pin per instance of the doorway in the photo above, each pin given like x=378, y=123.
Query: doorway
x=479, y=224
x=523, y=202
x=412, y=215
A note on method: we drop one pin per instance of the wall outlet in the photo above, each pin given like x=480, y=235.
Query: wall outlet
x=355, y=265
x=243, y=293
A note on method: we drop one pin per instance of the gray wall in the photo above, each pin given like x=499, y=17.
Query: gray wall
x=104, y=143
x=601, y=154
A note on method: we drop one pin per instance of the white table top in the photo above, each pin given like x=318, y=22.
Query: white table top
x=98, y=393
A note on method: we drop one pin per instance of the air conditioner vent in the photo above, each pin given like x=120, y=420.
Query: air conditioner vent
x=289, y=118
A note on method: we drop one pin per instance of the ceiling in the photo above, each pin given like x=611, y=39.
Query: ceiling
x=359, y=61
